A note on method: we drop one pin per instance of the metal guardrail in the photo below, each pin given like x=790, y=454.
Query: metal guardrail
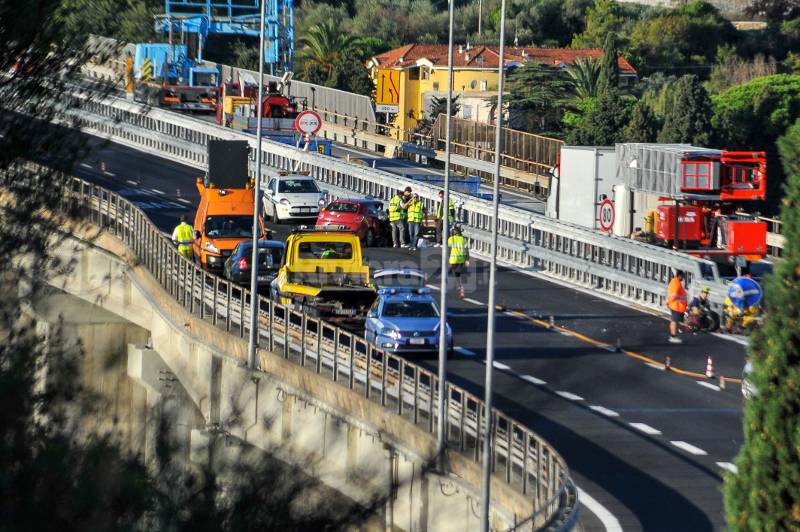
x=520, y=457
x=625, y=269
x=775, y=238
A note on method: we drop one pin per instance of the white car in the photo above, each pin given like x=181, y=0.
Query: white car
x=292, y=197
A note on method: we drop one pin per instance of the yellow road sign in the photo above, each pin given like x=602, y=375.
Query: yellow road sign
x=387, y=94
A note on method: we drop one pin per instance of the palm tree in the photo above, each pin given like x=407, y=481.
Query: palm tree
x=323, y=47
x=585, y=74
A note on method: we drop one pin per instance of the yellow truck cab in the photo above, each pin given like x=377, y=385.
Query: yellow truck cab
x=323, y=273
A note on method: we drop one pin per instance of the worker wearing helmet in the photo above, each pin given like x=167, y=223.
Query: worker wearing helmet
x=459, y=257
x=676, y=302
x=183, y=237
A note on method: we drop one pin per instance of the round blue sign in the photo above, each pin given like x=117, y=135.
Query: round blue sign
x=744, y=292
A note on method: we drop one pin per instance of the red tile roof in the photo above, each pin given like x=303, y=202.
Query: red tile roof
x=488, y=56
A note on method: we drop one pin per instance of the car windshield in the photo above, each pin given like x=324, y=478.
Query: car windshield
x=338, y=206
x=325, y=250
x=230, y=227
x=399, y=279
x=410, y=309
x=297, y=186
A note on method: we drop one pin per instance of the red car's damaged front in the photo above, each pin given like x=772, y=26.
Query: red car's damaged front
x=364, y=217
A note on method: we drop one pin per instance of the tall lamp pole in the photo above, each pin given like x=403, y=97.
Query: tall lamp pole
x=487, y=419
x=252, y=346
x=441, y=426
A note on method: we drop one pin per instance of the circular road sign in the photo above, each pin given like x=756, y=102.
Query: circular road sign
x=308, y=123
x=606, y=215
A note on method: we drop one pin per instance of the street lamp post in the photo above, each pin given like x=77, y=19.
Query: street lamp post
x=252, y=346
x=441, y=426
x=490, y=325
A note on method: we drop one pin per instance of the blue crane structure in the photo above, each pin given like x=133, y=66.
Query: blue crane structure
x=235, y=17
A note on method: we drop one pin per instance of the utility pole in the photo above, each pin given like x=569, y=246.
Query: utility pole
x=252, y=346
x=490, y=325
x=441, y=427
x=480, y=16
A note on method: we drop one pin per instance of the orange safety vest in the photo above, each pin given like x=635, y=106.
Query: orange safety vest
x=676, y=295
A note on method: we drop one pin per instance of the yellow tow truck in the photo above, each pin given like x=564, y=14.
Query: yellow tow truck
x=324, y=275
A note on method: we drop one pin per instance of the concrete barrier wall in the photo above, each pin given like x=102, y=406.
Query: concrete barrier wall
x=351, y=444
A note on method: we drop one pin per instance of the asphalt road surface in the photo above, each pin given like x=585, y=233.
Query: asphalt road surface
x=648, y=448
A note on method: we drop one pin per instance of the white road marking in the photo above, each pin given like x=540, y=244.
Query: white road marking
x=500, y=365
x=432, y=286
x=132, y=182
x=473, y=301
x=689, y=448
x=86, y=165
x=601, y=512
x=464, y=351
x=647, y=429
x=532, y=379
x=709, y=385
x=187, y=202
x=654, y=366
x=727, y=466
x=112, y=174
x=603, y=410
x=157, y=191
x=570, y=396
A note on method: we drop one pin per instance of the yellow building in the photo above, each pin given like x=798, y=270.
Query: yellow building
x=408, y=78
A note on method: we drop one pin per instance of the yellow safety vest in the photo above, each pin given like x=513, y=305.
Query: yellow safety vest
x=415, y=212
x=184, y=236
x=396, y=212
x=452, y=213
x=458, y=249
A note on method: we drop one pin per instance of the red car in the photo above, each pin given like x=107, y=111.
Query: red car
x=364, y=217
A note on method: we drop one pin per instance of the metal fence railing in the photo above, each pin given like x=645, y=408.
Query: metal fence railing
x=625, y=269
x=519, y=456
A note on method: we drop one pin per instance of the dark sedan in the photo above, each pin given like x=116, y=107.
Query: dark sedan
x=270, y=256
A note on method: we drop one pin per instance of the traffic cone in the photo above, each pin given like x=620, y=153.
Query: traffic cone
x=668, y=364
x=709, y=368
x=552, y=321
x=722, y=383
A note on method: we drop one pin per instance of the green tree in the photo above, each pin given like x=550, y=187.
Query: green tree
x=136, y=22
x=601, y=19
x=585, y=74
x=688, y=118
x=764, y=494
x=351, y=75
x=323, y=47
x=775, y=11
x=643, y=125
x=603, y=125
x=609, y=65
x=245, y=55
x=548, y=22
x=538, y=96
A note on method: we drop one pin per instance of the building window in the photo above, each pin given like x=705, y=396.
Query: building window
x=425, y=73
x=413, y=73
x=484, y=85
x=466, y=112
x=435, y=85
x=473, y=84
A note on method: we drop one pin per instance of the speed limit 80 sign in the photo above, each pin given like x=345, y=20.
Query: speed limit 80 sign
x=606, y=215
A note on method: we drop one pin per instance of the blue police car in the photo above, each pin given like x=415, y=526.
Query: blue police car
x=405, y=321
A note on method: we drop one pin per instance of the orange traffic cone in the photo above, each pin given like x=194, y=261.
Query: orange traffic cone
x=709, y=368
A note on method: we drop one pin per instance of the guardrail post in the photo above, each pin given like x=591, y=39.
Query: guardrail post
x=287, y=315
x=400, y=383
x=202, y=294
x=352, y=380
x=525, y=444
x=462, y=443
x=335, y=354
x=303, y=325
x=509, y=448
x=384, y=372
x=214, y=301
x=318, y=346
x=271, y=325
x=191, y=288
x=432, y=404
x=416, y=395
x=368, y=376
x=242, y=295
x=228, y=313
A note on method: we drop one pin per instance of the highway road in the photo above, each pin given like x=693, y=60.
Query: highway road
x=647, y=447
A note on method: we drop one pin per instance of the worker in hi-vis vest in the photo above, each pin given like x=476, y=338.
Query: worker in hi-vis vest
x=676, y=302
x=459, y=257
x=416, y=213
x=451, y=215
x=183, y=237
x=397, y=216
